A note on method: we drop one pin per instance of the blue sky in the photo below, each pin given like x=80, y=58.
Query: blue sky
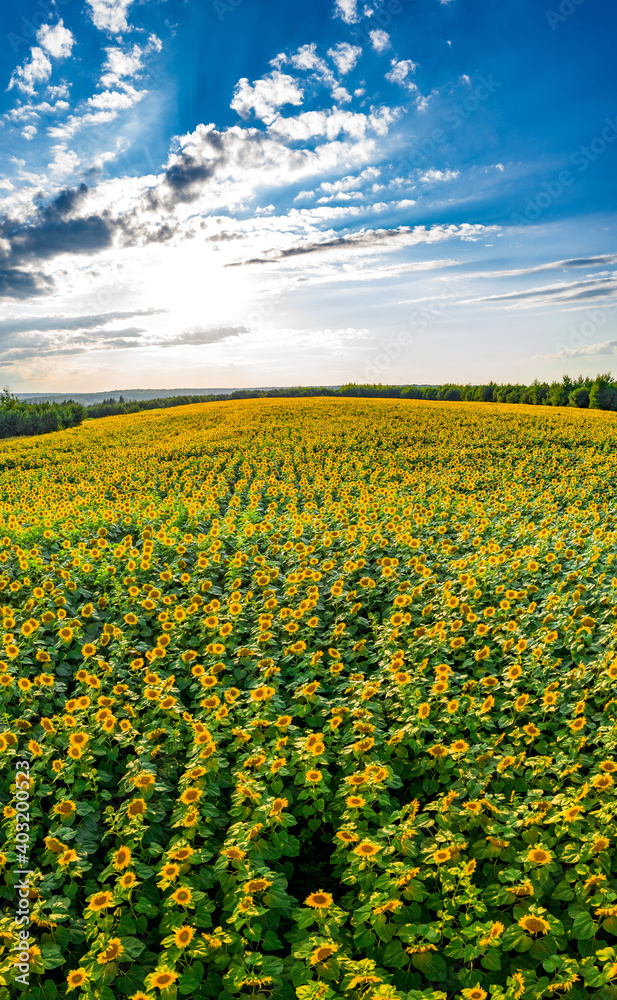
x=237, y=193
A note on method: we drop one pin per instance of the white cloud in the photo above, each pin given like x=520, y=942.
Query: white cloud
x=154, y=43
x=429, y=176
x=331, y=123
x=577, y=294
x=345, y=56
x=380, y=39
x=29, y=132
x=590, y=350
x=121, y=64
x=109, y=15
x=306, y=60
x=349, y=182
x=112, y=100
x=58, y=91
x=264, y=97
x=64, y=163
x=56, y=40
x=28, y=76
x=401, y=71
x=347, y=11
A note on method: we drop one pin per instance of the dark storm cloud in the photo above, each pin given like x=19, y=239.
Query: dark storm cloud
x=18, y=284
x=50, y=232
x=65, y=202
x=51, y=237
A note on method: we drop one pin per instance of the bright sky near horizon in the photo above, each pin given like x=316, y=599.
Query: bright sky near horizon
x=245, y=193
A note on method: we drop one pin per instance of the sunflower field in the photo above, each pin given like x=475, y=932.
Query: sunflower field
x=310, y=699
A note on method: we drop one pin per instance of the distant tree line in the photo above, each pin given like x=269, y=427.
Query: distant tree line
x=19, y=418
x=598, y=393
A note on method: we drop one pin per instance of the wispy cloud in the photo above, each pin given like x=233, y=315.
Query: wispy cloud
x=564, y=292
x=588, y=351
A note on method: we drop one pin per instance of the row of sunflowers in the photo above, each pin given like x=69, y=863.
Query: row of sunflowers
x=311, y=699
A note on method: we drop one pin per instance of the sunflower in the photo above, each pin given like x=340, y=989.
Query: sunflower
x=257, y=885
x=75, y=979
x=319, y=900
x=182, y=896
x=122, y=858
x=474, y=993
x=162, y=979
x=366, y=849
x=313, y=777
x=608, y=766
x=54, y=845
x=538, y=856
x=169, y=872
x=68, y=858
x=355, y=801
x=111, y=953
x=323, y=953
x=100, y=901
x=534, y=925
x=136, y=808
x=64, y=808
x=473, y=807
x=570, y=815
x=190, y=796
x=183, y=936
x=347, y=836
x=602, y=782
x=442, y=855
x=233, y=853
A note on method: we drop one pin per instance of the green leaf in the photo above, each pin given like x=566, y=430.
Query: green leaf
x=563, y=890
x=515, y=939
x=212, y=985
x=132, y=946
x=492, y=960
x=583, y=926
x=271, y=942
x=394, y=956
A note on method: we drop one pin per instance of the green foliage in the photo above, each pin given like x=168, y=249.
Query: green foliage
x=19, y=419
